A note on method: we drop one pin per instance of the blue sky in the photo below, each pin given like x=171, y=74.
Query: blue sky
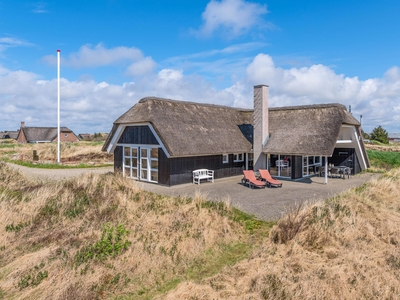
x=116, y=52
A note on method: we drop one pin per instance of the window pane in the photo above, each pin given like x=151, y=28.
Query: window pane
x=127, y=172
x=143, y=152
x=144, y=174
x=134, y=162
x=154, y=176
x=144, y=163
x=154, y=153
x=134, y=152
x=134, y=173
x=317, y=159
x=127, y=151
x=154, y=164
x=127, y=162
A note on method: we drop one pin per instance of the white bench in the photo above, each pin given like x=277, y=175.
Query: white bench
x=200, y=174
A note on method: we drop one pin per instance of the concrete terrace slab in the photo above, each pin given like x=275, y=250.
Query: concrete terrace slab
x=269, y=203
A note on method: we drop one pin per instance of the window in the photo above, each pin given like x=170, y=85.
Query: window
x=238, y=157
x=141, y=163
x=225, y=158
x=310, y=164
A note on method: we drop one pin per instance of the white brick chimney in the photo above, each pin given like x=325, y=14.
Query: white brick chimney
x=261, y=133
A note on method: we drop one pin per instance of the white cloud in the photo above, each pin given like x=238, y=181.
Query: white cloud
x=97, y=56
x=39, y=8
x=141, y=67
x=90, y=106
x=393, y=74
x=374, y=98
x=8, y=42
x=234, y=17
x=168, y=75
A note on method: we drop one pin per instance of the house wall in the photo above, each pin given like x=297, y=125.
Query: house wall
x=21, y=137
x=181, y=168
x=67, y=137
x=140, y=135
x=297, y=167
x=177, y=170
x=118, y=159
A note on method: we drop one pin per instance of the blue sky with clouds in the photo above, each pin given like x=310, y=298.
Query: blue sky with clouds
x=115, y=52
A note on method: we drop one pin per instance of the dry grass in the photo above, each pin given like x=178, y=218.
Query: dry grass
x=393, y=147
x=49, y=231
x=71, y=153
x=345, y=248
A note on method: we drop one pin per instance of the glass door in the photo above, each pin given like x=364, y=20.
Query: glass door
x=130, y=162
x=144, y=164
x=141, y=163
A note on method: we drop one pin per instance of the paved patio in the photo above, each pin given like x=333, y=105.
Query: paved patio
x=268, y=203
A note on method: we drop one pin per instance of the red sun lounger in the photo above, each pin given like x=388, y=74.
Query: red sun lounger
x=251, y=179
x=266, y=176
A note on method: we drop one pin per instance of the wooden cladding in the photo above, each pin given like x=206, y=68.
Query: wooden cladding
x=139, y=135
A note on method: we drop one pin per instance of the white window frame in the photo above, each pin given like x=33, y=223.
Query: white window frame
x=225, y=158
x=236, y=157
x=139, y=158
x=306, y=164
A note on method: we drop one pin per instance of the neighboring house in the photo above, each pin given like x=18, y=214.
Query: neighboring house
x=84, y=136
x=394, y=137
x=9, y=135
x=45, y=134
x=163, y=141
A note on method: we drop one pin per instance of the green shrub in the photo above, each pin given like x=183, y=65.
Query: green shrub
x=111, y=244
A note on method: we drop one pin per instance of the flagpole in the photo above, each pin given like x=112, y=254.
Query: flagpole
x=58, y=110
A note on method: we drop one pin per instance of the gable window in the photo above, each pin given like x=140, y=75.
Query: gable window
x=225, y=158
x=238, y=157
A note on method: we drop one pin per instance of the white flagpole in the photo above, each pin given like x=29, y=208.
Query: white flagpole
x=58, y=115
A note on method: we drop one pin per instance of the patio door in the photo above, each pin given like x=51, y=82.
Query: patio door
x=141, y=163
x=280, y=165
x=144, y=164
x=130, y=168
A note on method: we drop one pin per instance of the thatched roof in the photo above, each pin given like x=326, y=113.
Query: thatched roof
x=194, y=129
x=9, y=134
x=306, y=130
x=191, y=129
x=43, y=134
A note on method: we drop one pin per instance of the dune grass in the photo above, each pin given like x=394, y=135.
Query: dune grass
x=99, y=236
x=347, y=247
x=76, y=155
